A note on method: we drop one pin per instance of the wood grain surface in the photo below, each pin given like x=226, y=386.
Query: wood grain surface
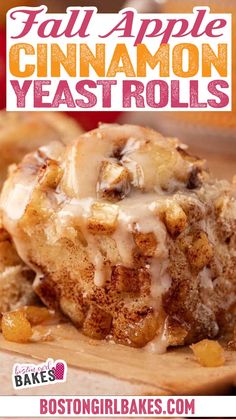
x=175, y=372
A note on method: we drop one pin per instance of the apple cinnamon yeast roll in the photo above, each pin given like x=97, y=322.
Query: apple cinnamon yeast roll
x=129, y=235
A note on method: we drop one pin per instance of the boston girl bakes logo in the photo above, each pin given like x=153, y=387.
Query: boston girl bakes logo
x=84, y=60
x=32, y=375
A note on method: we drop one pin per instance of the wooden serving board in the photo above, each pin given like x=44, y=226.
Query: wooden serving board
x=176, y=372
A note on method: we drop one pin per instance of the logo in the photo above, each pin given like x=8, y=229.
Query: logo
x=32, y=375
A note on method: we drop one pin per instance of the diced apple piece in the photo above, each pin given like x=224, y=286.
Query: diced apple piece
x=113, y=181
x=16, y=327
x=37, y=315
x=103, y=219
x=50, y=175
x=136, y=328
x=209, y=353
x=175, y=219
x=176, y=333
x=200, y=251
x=143, y=331
x=97, y=324
x=146, y=242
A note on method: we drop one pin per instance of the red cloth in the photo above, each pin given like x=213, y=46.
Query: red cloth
x=90, y=120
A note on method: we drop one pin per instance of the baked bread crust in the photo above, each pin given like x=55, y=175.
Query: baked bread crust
x=129, y=235
x=16, y=278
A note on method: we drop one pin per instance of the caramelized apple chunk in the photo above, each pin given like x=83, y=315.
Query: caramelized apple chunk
x=136, y=328
x=113, y=182
x=97, y=323
x=146, y=243
x=209, y=353
x=103, y=219
x=50, y=175
x=200, y=251
x=16, y=327
x=175, y=218
x=37, y=315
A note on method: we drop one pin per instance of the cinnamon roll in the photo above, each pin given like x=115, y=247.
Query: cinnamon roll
x=129, y=235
